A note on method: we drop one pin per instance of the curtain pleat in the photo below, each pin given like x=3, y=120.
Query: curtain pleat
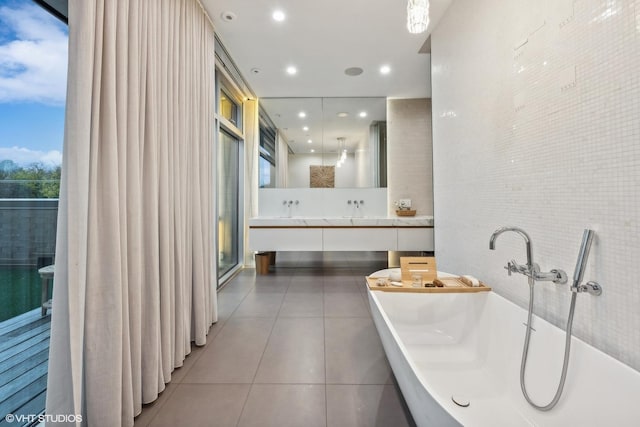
x=134, y=257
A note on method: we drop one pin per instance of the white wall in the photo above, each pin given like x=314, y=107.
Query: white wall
x=536, y=121
x=363, y=164
x=298, y=167
x=322, y=202
x=409, y=153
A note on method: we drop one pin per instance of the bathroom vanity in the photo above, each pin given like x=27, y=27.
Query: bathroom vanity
x=341, y=234
x=334, y=219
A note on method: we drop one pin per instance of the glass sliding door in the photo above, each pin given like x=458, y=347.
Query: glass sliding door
x=228, y=202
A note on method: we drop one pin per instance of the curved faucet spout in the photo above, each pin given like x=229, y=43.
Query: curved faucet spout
x=522, y=233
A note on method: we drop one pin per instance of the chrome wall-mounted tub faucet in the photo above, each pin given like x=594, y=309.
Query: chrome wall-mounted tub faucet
x=532, y=271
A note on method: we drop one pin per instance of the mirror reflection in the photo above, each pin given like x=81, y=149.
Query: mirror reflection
x=323, y=142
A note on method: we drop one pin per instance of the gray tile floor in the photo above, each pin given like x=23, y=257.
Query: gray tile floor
x=293, y=348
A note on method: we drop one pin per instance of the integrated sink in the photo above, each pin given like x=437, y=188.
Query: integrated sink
x=340, y=221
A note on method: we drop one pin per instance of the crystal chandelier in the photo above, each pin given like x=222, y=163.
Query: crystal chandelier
x=417, y=16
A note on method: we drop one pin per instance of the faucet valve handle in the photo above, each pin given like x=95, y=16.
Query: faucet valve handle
x=348, y=202
x=511, y=267
x=514, y=267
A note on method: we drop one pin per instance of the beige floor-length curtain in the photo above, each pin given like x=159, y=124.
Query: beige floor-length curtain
x=134, y=278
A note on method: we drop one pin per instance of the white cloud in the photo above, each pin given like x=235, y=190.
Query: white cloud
x=25, y=157
x=34, y=66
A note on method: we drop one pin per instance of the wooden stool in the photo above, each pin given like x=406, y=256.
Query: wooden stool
x=46, y=274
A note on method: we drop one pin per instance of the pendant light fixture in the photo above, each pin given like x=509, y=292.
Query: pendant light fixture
x=417, y=16
x=343, y=152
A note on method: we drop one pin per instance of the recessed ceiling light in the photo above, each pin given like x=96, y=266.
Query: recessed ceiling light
x=309, y=141
x=278, y=15
x=313, y=151
x=385, y=69
x=302, y=114
x=305, y=128
x=343, y=114
x=363, y=114
x=291, y=70
x=353, y=71
x=228, y=16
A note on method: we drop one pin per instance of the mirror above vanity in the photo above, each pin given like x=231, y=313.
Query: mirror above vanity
x=329, y=142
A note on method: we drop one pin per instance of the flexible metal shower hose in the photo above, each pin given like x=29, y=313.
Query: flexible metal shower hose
x=567, y=350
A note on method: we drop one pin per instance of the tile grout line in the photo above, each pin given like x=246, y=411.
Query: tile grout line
x=324, y=347
x=255, y=374
x=150, y=423
x=278, y=316
x=177, y=383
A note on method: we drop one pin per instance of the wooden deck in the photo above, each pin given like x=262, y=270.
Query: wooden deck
x=24, y=356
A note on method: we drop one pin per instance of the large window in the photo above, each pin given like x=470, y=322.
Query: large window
x=267, y=153
x=229, y=109
x=229, y=147
x=33, y=74
x=228, y=198
x=33, y=70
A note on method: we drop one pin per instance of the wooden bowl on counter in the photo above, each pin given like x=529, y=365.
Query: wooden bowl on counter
x=405, y=212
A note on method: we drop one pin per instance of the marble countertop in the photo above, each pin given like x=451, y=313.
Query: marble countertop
x=387, y=221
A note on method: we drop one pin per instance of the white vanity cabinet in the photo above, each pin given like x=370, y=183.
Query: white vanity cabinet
x=359, y=239
x=414, y=238
x=341, y=234
x=285, y=239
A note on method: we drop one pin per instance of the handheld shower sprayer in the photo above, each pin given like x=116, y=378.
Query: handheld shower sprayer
x=592, y=288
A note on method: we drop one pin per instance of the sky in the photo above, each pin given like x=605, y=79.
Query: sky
x=33, y=82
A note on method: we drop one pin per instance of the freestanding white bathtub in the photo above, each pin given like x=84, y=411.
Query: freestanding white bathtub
x=468, y=346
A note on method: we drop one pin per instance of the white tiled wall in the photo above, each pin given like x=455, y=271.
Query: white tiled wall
x=536, y=110
x=409, y=153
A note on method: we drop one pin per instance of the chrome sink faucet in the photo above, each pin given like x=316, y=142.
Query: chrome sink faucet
x=289, y=204
x=358, y=210
x=531, y=270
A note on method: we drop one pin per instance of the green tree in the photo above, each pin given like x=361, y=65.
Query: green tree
x=34, y=181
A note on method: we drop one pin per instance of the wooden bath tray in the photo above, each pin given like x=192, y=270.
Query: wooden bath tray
x=450, y=285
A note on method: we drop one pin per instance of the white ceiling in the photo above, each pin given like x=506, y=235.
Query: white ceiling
x=322, y=38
